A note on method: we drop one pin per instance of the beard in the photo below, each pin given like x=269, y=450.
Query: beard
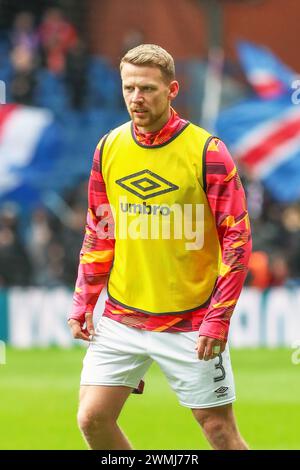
x=151, y=122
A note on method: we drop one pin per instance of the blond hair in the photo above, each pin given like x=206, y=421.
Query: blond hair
x=153, y=56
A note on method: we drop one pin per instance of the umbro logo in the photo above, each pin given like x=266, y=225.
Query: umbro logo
x=221, y=390
x=146, y=184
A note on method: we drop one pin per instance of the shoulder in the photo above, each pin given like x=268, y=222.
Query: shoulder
x=220, y=166
x=115, y=133
x=199, y=131
x=218, y=154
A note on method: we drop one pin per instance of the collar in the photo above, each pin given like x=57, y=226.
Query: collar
x=174, y=124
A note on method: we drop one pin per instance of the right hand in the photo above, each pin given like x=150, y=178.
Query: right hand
x=78, y=331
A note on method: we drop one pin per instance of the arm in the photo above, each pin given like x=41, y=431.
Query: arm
x=227, y=201
x=96, y=255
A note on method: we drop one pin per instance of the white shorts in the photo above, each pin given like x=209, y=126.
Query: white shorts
x=121, y=355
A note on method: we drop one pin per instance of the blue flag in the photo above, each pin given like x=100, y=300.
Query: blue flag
x=30, y=146
x=263, y=132
x=269, y=77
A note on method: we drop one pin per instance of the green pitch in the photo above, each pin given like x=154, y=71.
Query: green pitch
x=38, y=390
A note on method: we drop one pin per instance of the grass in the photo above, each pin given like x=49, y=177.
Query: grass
x=39, y=396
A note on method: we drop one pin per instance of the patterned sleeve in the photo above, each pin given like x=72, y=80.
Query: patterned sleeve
x=227, y=201
x=97, y=250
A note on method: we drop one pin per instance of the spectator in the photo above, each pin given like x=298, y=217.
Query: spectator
x=76, y=73
x=24, y=32
x=279, y=270
x=72, y=235
x=55, y=263
x=291, y=223
x=57, y=36
x=259, y=275
x=23, y=81
x=39, y=235
x=15, y=268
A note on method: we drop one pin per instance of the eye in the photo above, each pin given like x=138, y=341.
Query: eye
x=128, y=88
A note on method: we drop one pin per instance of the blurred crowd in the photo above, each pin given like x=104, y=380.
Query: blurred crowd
x=43, y=250
x=275, y=259
x=46, y=63
x=54, y=44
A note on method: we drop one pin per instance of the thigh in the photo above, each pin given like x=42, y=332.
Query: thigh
x=197, y=383
x=102, y=400
x=116, y=356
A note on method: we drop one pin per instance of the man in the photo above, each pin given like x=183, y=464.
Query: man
x=168, y=230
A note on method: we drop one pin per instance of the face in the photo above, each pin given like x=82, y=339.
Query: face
x=147, y=96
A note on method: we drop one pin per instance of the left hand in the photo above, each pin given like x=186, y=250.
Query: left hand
x=209, y=348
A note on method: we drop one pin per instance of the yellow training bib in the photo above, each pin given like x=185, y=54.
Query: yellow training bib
x=167, y=251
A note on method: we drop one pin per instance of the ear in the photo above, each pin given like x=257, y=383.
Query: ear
x=173, y=89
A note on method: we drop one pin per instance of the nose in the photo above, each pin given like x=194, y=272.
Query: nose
x=137, y=96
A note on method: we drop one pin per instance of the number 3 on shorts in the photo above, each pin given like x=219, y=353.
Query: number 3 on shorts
x=219, y=366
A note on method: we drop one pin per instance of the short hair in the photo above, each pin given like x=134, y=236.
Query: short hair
x=153, y=56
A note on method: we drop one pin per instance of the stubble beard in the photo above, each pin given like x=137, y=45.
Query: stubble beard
x=149, y=121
